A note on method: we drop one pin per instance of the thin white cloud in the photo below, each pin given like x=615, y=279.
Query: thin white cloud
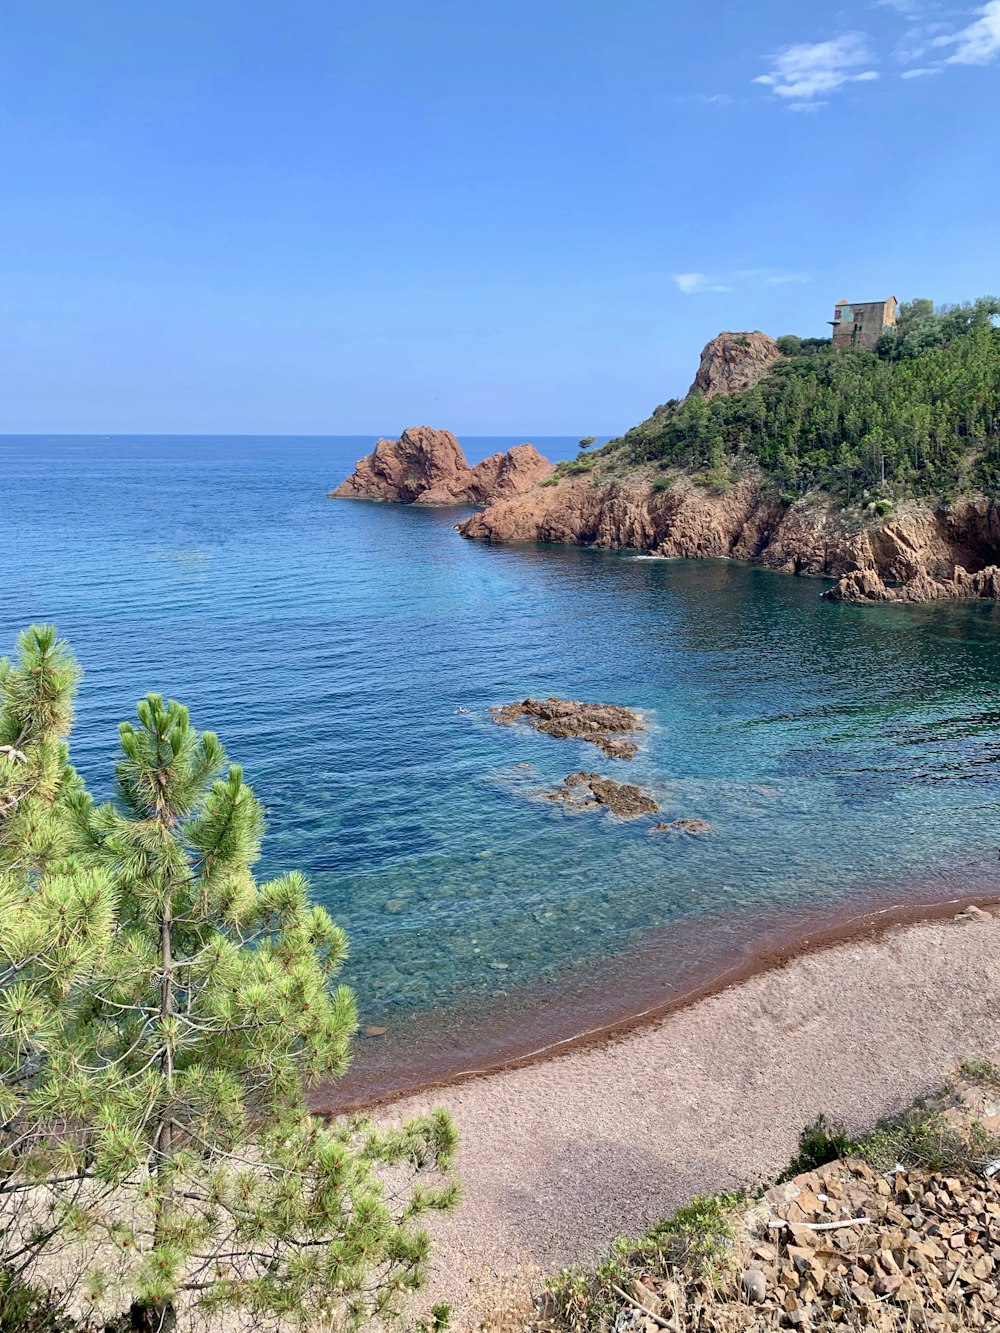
x=806, y=73
x=979, y=42
x=921, y=72
x=692, y=284
x=908, y=8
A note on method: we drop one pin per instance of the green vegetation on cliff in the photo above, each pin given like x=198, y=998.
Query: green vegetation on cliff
x=918, y=416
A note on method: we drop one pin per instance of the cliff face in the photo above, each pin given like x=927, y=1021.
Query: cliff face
x=931, y=553
x=733, y=362
x=426, y=466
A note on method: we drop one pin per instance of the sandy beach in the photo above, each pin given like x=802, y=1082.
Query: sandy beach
x=560, y=1156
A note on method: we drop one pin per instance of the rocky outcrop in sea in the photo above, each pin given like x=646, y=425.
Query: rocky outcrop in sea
x=427, y=466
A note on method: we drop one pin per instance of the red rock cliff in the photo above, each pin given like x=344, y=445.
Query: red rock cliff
x=733, y=362
x=427, y=466
x=924, y=553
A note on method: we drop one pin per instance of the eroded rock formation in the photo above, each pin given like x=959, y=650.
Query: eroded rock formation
x=733, y=362
x=602, y=725
x=427, y=466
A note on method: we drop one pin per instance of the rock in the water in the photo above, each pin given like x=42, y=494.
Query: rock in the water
x=692, y=828
x=623, y=798
x=600, y=724
x=427, y=466
x=590, y=791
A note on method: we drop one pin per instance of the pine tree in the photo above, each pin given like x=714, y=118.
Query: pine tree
x=181, y=1074
x=55, y=921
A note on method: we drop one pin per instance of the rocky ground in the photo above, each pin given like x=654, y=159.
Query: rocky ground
x=862, y=1242
x=924, y=552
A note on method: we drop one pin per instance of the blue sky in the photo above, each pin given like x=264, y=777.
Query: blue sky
x=522, y=217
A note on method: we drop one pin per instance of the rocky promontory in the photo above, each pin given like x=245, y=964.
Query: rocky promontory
x=633, y=496
x=427, y=466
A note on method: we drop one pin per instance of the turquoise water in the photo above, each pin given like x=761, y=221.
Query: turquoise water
x=347, y=654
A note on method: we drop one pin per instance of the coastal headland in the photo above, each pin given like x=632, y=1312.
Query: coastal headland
x=870, y=465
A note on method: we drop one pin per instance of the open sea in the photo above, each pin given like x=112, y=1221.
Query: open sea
x=347, y=653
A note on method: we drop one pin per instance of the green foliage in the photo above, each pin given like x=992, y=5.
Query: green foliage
x=789, y=345
x=718, y=478
x=922, y=416
x=588, y=441
x=983, y=1071
x=576, y=467
x=439, y=1321
x=919, y=1136
x=162, y=1017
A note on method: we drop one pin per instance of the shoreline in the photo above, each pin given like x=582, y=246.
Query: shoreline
x=558, y=1157
x=539, y=1028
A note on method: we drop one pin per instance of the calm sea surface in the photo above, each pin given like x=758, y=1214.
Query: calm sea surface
x=347, y=654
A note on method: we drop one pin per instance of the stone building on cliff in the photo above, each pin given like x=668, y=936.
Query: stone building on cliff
x=862, y=324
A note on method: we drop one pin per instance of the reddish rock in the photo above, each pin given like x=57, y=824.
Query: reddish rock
x=427, y=466
x=733, y=362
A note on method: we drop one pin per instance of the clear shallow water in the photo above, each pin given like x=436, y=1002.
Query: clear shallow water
x=347, y=654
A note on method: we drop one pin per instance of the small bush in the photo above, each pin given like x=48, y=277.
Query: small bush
x=716, y=478
x=819, y=1143
x=695, y=1239
x=25, y=1309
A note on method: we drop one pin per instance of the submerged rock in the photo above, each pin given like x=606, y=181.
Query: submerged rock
x=427, y=466
x=600, y=724
x=590, y=791
x=691, y=828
